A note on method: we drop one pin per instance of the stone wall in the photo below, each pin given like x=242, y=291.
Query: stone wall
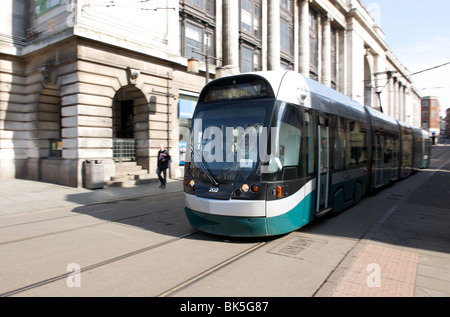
x=70, y=92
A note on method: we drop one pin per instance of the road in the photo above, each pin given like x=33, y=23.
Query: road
x=146, y=247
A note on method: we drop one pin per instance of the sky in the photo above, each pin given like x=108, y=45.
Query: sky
x=418, y=33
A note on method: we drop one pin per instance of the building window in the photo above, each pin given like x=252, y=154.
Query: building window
x=250, y=59
x=204, y=5
x=198, y=41
x=251, y=17
x=313, y=44
x=250, y=37
x=425, y=103
x=287, y=5
x=286, y=66
x=287, y=33
x=286, y=38
x=193, y=41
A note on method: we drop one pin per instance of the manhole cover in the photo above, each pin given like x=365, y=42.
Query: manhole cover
x=291, y=250
x=298, y=247
x=303, y=242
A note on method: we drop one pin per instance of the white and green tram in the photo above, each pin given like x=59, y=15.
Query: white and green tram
x=271, y=151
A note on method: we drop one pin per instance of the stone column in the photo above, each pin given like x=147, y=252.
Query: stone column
x=342, y=62
x=390, y=92
x=231, y=33
x=296, y=36
x=395, y=93
x=326, y=50
x=273, y=54
x=402, y=103
x=304, y=38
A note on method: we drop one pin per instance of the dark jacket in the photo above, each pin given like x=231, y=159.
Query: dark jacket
x=163, y=159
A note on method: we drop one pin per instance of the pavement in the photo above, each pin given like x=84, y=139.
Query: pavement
x=26, y=196
x=407, y=251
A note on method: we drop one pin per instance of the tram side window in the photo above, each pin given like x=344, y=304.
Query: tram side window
x=395, y=148
x=340, y=146
x=357, y=146
x=390, y=148
x=387, y=156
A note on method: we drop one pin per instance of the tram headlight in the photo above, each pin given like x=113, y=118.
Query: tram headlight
x=245, y=188
x=190, y=183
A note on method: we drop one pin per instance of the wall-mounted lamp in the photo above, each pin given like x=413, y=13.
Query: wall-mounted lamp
x=132, y=75
x=193, y=66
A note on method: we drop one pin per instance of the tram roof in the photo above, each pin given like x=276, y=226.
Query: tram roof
x=382, y=120
x=288, y=84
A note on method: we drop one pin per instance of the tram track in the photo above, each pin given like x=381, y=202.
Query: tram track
x=86, y=226
x=210, y=271
x=95, y=265
x=114, y=220
x=161, y=196
x=167, y=293
x=103, y=265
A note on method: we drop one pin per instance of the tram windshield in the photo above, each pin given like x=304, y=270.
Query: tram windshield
x=227, y=136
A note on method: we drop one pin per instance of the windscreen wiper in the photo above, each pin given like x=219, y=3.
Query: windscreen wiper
x=203, y=166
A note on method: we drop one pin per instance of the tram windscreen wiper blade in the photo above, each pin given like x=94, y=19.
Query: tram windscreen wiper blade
x=203, y=166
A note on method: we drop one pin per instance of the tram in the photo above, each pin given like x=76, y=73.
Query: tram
x=271, y=151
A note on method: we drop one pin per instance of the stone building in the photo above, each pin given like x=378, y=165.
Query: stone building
x=108, y=80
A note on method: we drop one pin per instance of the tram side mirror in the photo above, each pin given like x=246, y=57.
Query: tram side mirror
x=301, y=95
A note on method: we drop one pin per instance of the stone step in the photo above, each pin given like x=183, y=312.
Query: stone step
x=125, y=182
x=128, y=169
x=129, y=174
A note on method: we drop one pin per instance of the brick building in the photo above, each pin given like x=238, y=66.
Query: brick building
x=430, y=115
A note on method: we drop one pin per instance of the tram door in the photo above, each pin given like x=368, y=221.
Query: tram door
x=323, y=174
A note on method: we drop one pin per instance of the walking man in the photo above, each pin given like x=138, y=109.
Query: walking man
x=163, y=164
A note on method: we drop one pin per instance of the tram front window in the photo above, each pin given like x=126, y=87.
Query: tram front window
x=226, y=139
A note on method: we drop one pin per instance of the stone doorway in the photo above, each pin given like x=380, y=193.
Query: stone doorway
x=130, y=126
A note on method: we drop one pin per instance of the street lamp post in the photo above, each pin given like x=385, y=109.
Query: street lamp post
x=193, y=63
